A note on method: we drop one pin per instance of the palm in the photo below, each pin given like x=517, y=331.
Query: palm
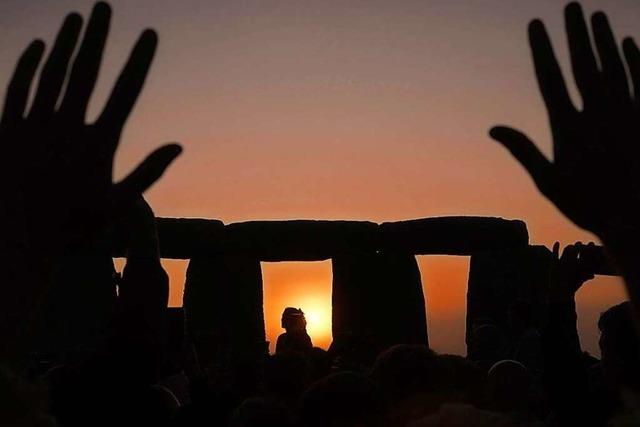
x=594, y=182
x=58, y=167
x=56, y=180
x=595, y=167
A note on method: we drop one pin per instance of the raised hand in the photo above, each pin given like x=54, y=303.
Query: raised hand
x=569, y=271
x=55, y=169
x=594, y=178
x=58, y=194
x=143, y=291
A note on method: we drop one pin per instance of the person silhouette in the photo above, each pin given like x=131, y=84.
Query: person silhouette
x=56, y=180
x=295, y=338
x=601, y=136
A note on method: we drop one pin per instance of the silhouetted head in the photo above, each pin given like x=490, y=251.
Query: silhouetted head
x=483, y=320
x=320, y=362
x=261, y=412
x=467, y=379
x=353, y=352
x=508, y=386
x=619, y=346
x=287, y=374
x=486, y=344
x=405, y=370
x=293, y=319
x=342, y=399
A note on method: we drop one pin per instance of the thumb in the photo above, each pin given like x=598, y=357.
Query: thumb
x=556, y=250
x=148, y=172
x=525, y=152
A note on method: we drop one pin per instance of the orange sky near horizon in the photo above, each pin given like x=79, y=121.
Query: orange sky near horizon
x=368, y=110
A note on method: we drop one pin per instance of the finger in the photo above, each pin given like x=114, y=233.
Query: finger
x=129, y=84
x=526, y=152
x=632, y=55
x=18, y=90
x=550, y=80
x=55, y=69
x=613, y=72
x=556, y=250
x=148, y=172
x=570, y=252
x=583, y=61
x=87, y=64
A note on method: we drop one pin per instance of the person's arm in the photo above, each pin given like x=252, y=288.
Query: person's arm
x=56, y=170
x=568, y=273
x=593, y=178
x=143, y=293
x=564, y=374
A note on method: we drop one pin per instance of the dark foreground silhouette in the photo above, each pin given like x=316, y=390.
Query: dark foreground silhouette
x=84, y=345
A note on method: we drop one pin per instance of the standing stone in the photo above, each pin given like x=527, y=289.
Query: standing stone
x=405, y=318
x=223, y=308
x=357, y=296
x=204, y=308
x=499, y=278
x=246, y=312
x=377, y=299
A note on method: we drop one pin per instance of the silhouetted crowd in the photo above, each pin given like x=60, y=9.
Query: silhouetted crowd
x=81, y=345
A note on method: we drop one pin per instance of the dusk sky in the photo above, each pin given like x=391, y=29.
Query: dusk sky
x=369, y=110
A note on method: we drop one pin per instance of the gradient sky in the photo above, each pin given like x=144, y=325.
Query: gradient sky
x=370, y=110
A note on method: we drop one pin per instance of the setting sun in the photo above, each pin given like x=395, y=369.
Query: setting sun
x=304, y=285
x=317, y=312
x=318, y=320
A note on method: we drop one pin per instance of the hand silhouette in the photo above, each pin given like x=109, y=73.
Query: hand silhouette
x=56, y=170
x=594, y=178
x=569, y=271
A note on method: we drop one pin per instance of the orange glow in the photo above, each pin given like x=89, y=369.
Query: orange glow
x=444, y=282
x=318, y=317
x=307, y=285
x=304, y=285
x=177, y=271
